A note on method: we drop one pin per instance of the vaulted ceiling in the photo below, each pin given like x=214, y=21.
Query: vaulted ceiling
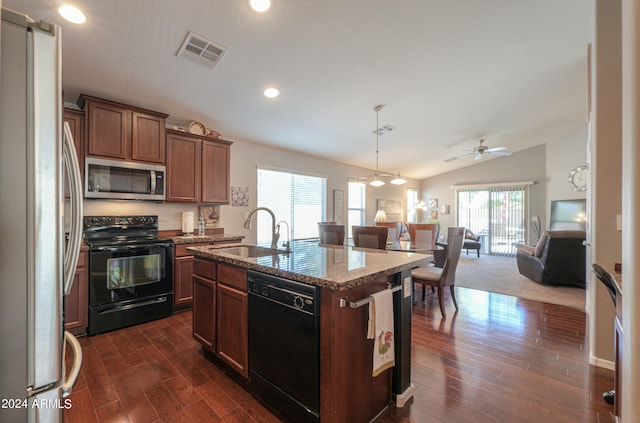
x=447, y=72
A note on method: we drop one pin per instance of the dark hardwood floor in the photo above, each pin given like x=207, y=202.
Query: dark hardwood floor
x=499, y=359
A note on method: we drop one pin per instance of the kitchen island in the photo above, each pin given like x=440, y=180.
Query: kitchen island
x=341, y=277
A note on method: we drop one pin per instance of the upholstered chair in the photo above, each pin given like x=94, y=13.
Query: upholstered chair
x=370, y=236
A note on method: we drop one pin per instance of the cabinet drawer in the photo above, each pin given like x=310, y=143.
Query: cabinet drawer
x=204, y=268
x=181, y=250
x=232, y=276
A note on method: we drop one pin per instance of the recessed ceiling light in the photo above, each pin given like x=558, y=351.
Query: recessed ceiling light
x=271, y=92
x=72, y=14
x=260, y=5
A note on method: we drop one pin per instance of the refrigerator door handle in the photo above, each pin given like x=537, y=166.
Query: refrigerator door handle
x=74, y=372
x=75, y=224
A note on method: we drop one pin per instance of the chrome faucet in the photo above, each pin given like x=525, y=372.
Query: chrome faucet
x=286, y=245
x=274, y=234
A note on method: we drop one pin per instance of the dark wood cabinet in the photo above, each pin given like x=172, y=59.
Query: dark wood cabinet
x=232, y=315
x=204, y=312
x=198, y=169
x=215, y=172
x=119, y=131
x=220, y=312
x=183, y=276
x=183, y=167
x=76, y=304
x=75, y=119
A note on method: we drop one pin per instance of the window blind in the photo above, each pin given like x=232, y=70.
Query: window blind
x=296, y=198
x=356, y=205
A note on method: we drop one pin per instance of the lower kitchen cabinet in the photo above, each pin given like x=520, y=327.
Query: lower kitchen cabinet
x=204, y=312
x=182, y=277
x=232, y=330
x=220, y=312
x=76, y=304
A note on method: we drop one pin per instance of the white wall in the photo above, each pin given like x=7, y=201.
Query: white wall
x=548, y=165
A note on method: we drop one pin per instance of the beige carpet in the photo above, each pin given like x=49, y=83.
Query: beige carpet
x=500, y=274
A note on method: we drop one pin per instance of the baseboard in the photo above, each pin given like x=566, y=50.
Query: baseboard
x=401, y=399
x=599, y=362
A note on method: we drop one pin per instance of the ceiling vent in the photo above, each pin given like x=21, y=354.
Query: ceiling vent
x=385, y=129
x=451, y=159
x=199, y=50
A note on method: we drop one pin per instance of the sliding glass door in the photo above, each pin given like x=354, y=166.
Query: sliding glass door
x=497, y=214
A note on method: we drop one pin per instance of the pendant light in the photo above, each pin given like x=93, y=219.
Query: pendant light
x=377, y=182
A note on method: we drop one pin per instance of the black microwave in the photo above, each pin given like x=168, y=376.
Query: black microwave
x=115, y=179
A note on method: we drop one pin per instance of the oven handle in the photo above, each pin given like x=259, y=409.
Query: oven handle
x=131, y=247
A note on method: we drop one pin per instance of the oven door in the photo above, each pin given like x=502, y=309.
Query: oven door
x=131, y=272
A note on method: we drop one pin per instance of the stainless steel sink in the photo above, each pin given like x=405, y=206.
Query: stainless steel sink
x=250, y=251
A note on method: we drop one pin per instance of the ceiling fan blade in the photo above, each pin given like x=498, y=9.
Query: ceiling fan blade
x=478, y=156
x=499, y=153
x=491, y=150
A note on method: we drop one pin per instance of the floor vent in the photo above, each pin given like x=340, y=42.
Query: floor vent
x=199, y=50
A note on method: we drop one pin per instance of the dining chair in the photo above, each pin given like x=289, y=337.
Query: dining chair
x=370, y=236
x=415, y=227
x=446, y=276
x=331, y=233
x=394, y=229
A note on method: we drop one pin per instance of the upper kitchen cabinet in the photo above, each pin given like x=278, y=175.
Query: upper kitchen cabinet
x=119, y=131
x=197, y=168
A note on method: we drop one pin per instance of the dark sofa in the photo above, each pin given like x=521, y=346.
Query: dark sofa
x=559, y=258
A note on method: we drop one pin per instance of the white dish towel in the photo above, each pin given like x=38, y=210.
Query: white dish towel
x=380, y=329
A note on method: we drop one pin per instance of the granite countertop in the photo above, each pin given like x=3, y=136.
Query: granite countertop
x=330, y=266
x=194, y=239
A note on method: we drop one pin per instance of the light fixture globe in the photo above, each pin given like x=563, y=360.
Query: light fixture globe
x=398, y=180
x=376, y=182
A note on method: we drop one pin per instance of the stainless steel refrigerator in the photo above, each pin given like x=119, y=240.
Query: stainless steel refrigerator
x=36, y=264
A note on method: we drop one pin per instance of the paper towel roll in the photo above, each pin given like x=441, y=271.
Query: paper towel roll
x=187, y=222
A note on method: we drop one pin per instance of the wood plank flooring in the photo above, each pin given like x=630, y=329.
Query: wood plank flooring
x=499, y=359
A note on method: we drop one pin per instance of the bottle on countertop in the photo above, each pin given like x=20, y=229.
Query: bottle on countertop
x=201, y=226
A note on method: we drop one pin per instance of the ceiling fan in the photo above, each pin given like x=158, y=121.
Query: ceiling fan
x=481, y=150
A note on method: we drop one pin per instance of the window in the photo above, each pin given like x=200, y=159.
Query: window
x=412, y=200
x=356, y=205
x=498, y=214
x=296, y=198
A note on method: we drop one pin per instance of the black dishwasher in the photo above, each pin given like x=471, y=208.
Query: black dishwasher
x=284, y=345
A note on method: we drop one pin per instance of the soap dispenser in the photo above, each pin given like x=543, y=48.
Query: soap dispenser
x=201, y=226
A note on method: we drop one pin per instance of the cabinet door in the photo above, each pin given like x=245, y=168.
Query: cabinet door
x=232, y=336
x=204, y=312
x=215, y=172
x=182, y=281
x=75, y=119
x=108, y=130
x=76, y=304
x=183, y=168
x=147, y=138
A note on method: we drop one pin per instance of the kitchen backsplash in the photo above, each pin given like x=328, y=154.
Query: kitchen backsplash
x=169, y=214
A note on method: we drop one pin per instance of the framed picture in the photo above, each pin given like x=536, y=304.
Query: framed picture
x=211, y=214
x=338, y=206
x=444, y=209
x=433, y=215
x=433, y=203
x=392, y=208
x=239, y=196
